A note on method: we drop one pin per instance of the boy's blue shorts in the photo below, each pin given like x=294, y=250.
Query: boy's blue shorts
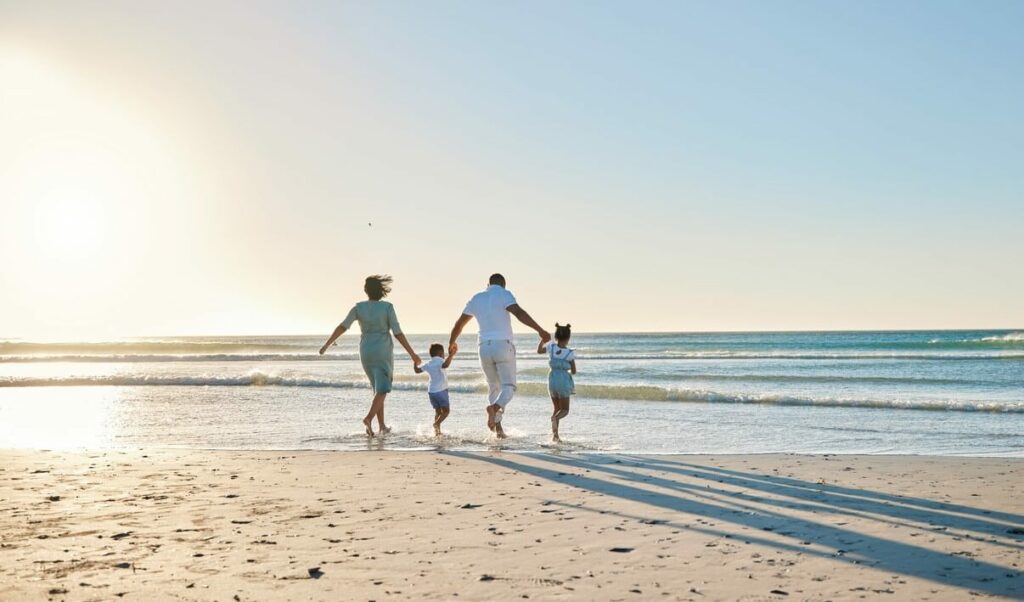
x=439, y=400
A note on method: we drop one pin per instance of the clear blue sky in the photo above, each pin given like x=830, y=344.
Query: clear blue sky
x=629, y=166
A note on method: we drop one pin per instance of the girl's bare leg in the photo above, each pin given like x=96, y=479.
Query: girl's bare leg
x=555, y=416
x=563, y=410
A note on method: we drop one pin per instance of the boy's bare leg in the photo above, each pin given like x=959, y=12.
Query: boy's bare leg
x=437, y=421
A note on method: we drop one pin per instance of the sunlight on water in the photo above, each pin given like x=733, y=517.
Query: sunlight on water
x=906, y=392
x=59, y=417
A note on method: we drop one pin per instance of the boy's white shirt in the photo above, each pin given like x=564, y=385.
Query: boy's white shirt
x=438, y=375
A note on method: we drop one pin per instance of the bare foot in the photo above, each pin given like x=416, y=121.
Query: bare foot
x=384, y=430
x=500, y=432
x=369, y=429
x=555, y=438
x=491, y=411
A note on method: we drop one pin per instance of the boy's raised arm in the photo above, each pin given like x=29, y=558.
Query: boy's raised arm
x=448, y=360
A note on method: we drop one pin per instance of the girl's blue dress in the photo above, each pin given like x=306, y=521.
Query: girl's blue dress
x=560, y=383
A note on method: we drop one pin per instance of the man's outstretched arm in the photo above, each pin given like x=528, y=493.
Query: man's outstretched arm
x=525, y=318
x=456, y=331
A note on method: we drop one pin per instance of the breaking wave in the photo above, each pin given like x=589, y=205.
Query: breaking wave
x=613, y=392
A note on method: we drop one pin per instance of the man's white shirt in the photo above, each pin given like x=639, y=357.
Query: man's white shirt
x=490, y=308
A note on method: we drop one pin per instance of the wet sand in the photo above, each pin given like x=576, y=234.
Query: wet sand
x=219, y=525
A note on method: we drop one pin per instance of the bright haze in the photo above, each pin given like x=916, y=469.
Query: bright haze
x=239, y=167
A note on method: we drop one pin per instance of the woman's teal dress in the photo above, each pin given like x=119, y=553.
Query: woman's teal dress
x=560, y=383
x=377, y=321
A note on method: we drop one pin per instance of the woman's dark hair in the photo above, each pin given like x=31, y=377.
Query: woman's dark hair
x=562, y=333
x=377, y=287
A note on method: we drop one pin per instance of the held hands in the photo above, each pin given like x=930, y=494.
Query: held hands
x=453, y=348
x=416, y=361
x=545, y=336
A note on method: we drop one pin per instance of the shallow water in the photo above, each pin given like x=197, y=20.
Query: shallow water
x=943, y=392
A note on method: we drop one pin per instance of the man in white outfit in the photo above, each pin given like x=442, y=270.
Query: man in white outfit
x=492, y=308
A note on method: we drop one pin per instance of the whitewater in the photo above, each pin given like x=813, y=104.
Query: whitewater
x=926, y=392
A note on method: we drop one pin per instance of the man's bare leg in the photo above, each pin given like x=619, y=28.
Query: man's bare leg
x=492, y=410
x=495, y=415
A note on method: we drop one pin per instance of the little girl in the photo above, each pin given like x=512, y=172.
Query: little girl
x=562, y=362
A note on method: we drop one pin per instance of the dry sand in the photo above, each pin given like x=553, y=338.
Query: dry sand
x=221, y=525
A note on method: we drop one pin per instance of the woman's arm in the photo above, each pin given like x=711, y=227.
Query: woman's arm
x=572, y=366
x=340, y=330
x=408, y=348
x=397, y=329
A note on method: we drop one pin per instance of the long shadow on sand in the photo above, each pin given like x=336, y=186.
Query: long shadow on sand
x=702, y=495
x=966, y=521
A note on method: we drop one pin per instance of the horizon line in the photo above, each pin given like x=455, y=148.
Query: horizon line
x=592, y=333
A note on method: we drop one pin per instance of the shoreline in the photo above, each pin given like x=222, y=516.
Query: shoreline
x=213, y=524
x=552, y=449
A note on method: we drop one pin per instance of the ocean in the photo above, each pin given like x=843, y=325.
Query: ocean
x=920, y=392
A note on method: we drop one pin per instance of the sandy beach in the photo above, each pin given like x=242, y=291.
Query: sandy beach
x=221, y=525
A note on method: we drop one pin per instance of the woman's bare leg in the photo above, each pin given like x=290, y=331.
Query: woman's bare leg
x=384, y=429
x=376, y=409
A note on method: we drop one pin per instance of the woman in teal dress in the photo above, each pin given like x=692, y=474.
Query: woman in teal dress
x=377, y=321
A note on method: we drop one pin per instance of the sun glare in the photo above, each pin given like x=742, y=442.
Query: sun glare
x=69, y=230
x=90, y=182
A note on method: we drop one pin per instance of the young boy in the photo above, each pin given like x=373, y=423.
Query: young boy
x=438, y=389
